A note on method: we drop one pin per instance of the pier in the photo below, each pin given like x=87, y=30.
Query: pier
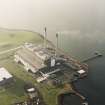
x=77, y=65
x=96, y=55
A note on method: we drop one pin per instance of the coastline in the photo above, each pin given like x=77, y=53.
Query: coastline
x=59, y=50
x=74, y=90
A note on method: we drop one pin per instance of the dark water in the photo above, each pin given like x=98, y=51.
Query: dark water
x=93, y=87
x=83, y=46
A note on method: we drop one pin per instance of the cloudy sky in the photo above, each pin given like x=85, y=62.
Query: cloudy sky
x=57, y=15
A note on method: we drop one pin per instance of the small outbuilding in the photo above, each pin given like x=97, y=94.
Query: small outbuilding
x=31, y=91
x=82, y=73
x=5, y=77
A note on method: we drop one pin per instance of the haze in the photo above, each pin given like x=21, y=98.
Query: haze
x=56, y=15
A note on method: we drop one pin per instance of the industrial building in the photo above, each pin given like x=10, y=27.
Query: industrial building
x=31, y=91
x=33, y=57
x=5, y=77
x=44, y=62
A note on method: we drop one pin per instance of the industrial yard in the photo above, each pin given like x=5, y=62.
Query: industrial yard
x=14, y=92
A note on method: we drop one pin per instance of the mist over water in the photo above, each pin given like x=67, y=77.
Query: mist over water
x=81, y=27
x=87, y=16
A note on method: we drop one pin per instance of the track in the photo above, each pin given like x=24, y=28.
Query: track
x=6, y=51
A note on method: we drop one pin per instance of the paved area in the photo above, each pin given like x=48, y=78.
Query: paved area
x=6, y=51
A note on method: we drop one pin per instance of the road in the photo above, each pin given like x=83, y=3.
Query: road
x=6, y=51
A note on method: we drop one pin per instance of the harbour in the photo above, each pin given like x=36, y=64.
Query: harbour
x=92, y=87
x=49, y=60
x=56, y=69
x=76, y=30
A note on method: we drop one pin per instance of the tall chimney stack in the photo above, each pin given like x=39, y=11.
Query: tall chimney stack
x=56, y=44
x=45, y=37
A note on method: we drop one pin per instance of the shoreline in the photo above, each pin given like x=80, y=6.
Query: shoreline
x=83, y=65
x=59, y=50
x=74, y=91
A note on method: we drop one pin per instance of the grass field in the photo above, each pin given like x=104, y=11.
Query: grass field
x=11, y=39
x=15, y=92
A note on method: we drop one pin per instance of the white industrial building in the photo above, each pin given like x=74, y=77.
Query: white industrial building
x=27, y=65
x=5, y=77
x=32, y=57
x=41, y=61
x=82, y=73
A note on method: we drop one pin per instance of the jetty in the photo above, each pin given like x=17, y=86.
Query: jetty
x=96, y=55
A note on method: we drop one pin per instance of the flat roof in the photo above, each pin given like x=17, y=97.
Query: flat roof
x=30, y=58
x=81, y=71
x=46, y=69
x=4, y=74
x=31, y=89
x=40, y=49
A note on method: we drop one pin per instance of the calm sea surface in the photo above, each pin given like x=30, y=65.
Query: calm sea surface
x=82, y=46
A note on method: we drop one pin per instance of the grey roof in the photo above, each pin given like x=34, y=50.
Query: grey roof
x=30, y=58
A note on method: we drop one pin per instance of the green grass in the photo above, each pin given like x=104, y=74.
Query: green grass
x=49, y=94
x=8, y=40
x=11, y=39
x=15, y=92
